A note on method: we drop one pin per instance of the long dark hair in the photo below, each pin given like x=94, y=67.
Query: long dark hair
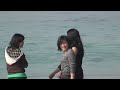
x=15, y=40
x=74, y=36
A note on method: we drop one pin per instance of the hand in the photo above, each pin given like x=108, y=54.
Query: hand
x=51, y=75
x=59, y=74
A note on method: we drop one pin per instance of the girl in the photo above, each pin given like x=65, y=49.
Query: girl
x=15, y=58
x=68, y=63
x=77, y=47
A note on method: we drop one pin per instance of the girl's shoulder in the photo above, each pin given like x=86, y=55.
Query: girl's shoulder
x=70, y=51
x=75, y=50
x=14, y=53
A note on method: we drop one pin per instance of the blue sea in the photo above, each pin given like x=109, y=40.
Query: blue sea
x=99, y=30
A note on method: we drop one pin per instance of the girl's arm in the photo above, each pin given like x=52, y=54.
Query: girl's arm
x=72, y=63
x=54, y=72
x=24, y=62
x=72, y=75
x=75, y=50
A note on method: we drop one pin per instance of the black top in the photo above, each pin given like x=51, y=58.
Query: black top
x=19, y=66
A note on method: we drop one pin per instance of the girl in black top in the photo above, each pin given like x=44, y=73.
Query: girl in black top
x=78, y=49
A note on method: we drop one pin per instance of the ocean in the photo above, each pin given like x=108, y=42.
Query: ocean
x=99, y=32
